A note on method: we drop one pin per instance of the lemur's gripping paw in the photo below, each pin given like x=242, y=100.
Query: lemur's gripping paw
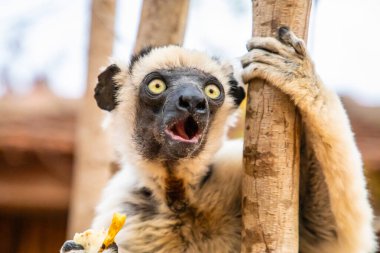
x=284, y=63
x=72, y=247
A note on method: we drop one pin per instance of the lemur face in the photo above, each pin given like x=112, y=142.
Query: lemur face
x=178, y=104
x=170, y=97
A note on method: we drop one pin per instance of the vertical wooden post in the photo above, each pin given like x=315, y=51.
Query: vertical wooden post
x=93, y=155
x=162, y=22
x=271, y=145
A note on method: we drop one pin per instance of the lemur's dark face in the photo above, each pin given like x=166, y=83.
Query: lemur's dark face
x=170, y=104
x=174, y=109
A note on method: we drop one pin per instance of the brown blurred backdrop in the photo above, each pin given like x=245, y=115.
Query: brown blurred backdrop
x=40, y=135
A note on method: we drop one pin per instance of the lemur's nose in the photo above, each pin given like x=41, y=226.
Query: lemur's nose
x=191, y=100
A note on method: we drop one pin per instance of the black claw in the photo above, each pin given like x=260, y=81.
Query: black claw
x=282, y=31
x=113, y=246
x=71, y=245
x=247, y=47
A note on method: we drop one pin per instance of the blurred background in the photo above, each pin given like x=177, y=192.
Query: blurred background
x=53, y=158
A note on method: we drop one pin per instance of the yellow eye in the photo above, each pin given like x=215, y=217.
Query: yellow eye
x=212, y=91
x=157, y=86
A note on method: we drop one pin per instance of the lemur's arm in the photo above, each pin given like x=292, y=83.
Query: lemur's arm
x=285, y=63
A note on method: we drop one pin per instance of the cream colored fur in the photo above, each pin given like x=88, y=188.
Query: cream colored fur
x=218, y=200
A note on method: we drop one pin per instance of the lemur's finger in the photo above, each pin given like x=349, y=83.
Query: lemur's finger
x=269, y=44
x=113, y=248
x=262, y=56
x=275, y=77
x=71, y=247
x=288, y=37
x=257, y=70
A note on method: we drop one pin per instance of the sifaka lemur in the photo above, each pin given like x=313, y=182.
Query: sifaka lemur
x=180, y=182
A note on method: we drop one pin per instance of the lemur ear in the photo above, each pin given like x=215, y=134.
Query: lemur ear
x=237, y=92
x=233, y=70
x=106, y=88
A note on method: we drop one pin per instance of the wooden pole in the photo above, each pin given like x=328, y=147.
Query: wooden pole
x=93, y=154
x=162, y=22
x=271, y=145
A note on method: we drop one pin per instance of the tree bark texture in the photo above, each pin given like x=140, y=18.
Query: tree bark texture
x=272, y=145
x=93, y=154
x=162, y=22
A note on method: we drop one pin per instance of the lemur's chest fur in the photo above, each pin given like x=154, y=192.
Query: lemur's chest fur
x=183, y=217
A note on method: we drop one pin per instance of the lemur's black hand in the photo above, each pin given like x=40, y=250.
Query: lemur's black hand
x=71, y=247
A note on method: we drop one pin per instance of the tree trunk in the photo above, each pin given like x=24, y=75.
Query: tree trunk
x=162, y=22
x=93, y=155
x=271, y=145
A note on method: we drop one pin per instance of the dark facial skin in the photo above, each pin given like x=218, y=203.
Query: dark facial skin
x=183, y=101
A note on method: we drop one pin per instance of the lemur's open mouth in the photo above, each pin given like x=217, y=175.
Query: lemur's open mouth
x=185, y=130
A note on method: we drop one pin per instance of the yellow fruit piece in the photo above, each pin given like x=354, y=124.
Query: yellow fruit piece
x=117, y=223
